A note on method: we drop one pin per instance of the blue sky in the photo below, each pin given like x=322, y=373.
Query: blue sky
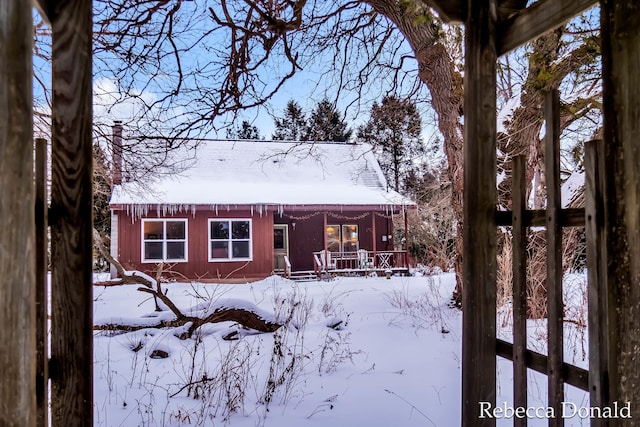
x=307, y=87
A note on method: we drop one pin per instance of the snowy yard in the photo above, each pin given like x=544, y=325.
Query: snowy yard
x=355, y=351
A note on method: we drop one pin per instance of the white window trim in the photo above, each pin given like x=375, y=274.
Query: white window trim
x=229, y=240
x=164, y=240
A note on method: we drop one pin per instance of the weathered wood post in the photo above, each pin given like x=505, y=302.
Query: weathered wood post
x=519, y=269
x=555, y=308
x=71, y=211
x=599, y=362
x=479, y=232
x=620, y=28
x=17, y=223
x=42, y=312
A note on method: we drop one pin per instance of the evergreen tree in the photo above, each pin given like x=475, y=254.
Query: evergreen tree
x=101, y=196
x=245, y=131
x=291, y=126
x=394, y=131
x=326, y=124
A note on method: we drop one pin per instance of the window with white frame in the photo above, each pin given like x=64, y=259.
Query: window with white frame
x=230, y=240
x=164, y=240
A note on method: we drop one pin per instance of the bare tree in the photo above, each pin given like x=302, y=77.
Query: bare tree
x=181, y=68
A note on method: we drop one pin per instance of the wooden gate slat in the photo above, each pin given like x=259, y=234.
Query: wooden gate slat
x=596, y=276
x=569, y=217
x=519, y=248
x=41, y=253
x=554, y=256
x=70, y=216
x=573, y=375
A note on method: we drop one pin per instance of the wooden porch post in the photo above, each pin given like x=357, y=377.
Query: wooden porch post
x=479, y=232
x=620, y=23
x=325, y=241
x=375, y=236
x=17, y=221
x=406, y=238
x=71, y=211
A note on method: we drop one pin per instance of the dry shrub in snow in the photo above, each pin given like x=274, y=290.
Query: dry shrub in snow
x=424, y=310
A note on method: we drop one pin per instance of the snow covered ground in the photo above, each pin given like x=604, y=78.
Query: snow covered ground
x=355, y=352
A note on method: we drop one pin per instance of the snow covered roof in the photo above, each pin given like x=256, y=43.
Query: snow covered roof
x=269, y=174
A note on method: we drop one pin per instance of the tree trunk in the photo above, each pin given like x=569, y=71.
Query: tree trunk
x=437, y=71
x=445, y=84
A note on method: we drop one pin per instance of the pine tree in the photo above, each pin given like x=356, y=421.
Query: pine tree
x=101, y=196
x=291, y=126
x=394, y=131
x=326, y=124
x=245, y=131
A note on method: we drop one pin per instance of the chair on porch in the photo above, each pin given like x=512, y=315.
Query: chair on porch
x=364, y=262
x=326, y=263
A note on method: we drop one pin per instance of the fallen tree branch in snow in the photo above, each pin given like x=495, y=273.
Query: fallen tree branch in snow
x=243, y=313
x=242, y=316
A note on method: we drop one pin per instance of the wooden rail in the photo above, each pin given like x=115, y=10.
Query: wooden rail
x=361, y=261
x=571, y=374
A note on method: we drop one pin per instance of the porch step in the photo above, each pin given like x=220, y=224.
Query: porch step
x=303, y=276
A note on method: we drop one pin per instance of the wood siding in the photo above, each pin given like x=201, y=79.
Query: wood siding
x=198, y=265
x=308, y=236
x=304, y=239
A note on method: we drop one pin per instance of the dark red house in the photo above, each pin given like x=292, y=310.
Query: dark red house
x=247, y=209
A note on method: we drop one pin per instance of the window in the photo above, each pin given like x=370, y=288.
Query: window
x=350, y=238
x=164, y=240
x=342, y=238
x=333, y=238
x=230, y=240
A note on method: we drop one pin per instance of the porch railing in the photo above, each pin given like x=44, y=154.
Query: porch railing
x=361, y=260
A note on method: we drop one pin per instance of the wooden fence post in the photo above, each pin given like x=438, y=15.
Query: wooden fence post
x=479, y=232
x=620, y=29
x=71, y=367
x=598, y=298
x=519, y=268
x=555, y=312
x=17, y=223
x=42, y=257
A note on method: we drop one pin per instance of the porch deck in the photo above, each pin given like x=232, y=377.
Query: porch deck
x=361, y=262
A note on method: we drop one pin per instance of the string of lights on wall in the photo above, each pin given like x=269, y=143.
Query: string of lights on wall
x=337, y=216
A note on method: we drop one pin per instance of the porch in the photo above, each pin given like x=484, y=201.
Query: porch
x=361, y=261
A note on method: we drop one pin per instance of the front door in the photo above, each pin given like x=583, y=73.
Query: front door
x=280, y=246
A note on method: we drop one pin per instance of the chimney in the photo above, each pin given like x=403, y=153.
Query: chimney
x=116, y=146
